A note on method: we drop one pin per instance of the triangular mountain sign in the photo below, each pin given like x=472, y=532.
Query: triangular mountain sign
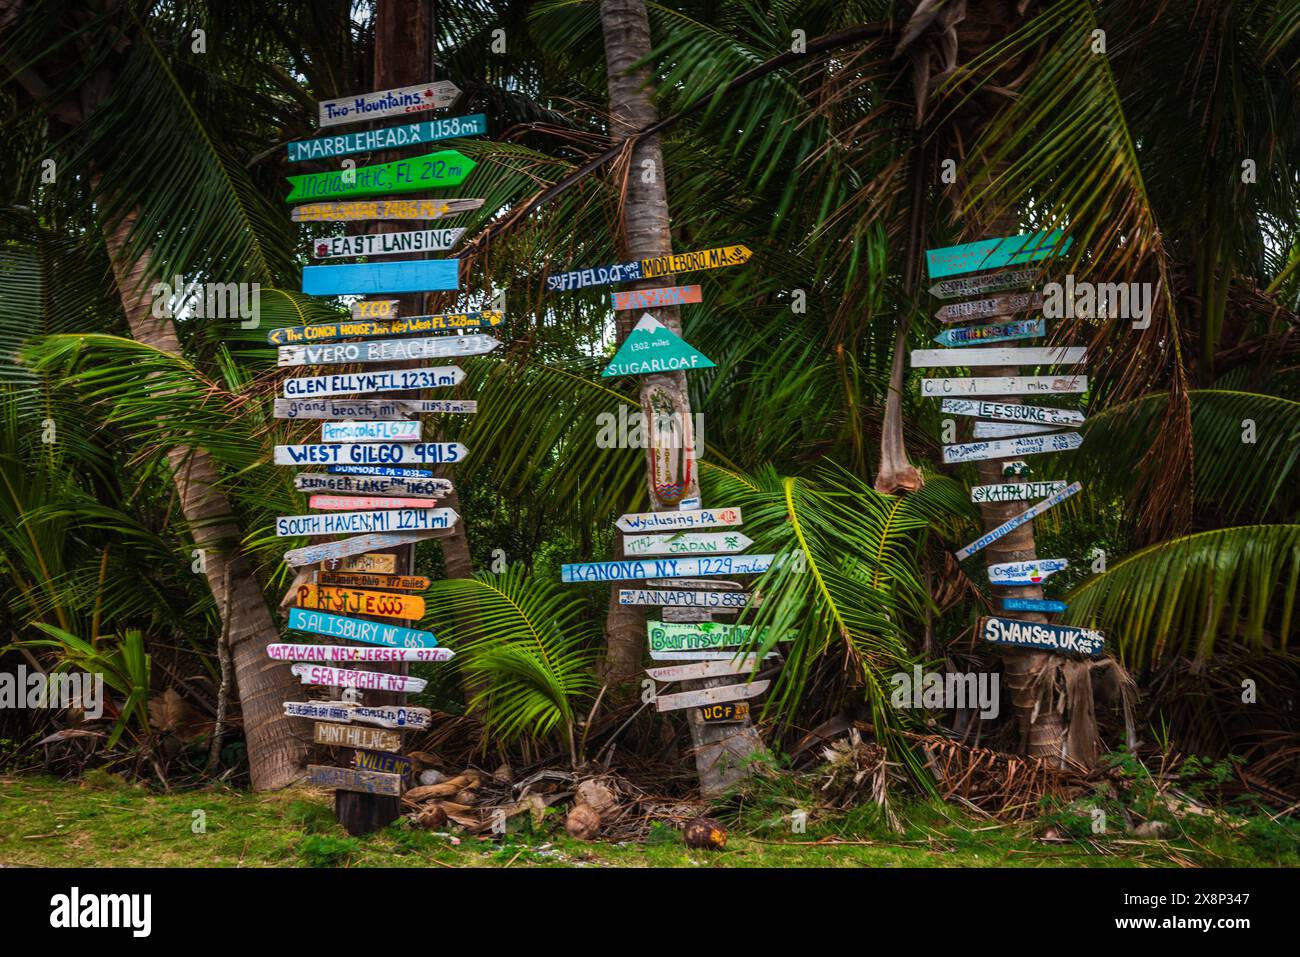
x=653, y=347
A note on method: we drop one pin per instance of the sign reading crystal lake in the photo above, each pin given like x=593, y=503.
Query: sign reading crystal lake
x=1012, y=412
x=355, y=546
x=696, y=636
x=356, y=601
x=1007, y=448
x=386, y=380
x=1046, y=605
x=653, y=347
x=995, y=332
x=992, y=253
x=361, y=580
x=666, y=568
x=685, y=518
x=399, y=430
x=357, y=210
x=1028, y=634
x=406, y=276
x=387, y=138
x=368, y=408
x=652, y=298
x=649, y=268
x=351, y=523
x=1005, y=385
x=351, y=736
x=707, y=696
x=356, y=629
x=431, y=171
x=386, y=350
x=372, y=485
x=387, y=244
x=343, y=503
x=386, y=716
x=351, y=653
x=381, y=103
x=993, y=306
x=685, y=543
x=412, y=325
x=370, y=453
x=989, y=282
x=1012, y=524
x=681, y=598
x=1003, y=356
x=354, y=779
x=1033, y=572
x=310, y=674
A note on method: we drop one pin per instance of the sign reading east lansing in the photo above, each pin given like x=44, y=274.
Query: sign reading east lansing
x=653, y=347
x=386, y=244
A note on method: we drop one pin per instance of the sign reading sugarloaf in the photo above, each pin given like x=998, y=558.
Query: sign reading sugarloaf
x=381, y=103
x=417, y=275
x=666, y=568
x=653, y=347
x=382, y=209
x=386, y=244
x=370, y=453
x=685, y=518
x=992, y=253
x=389, y=380
x=431, y=171
x=446, y=322
x=387, y=138
x=649, y=268
x=1028, y=634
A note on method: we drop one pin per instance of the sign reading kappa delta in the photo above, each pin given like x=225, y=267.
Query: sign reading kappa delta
x=653, y=347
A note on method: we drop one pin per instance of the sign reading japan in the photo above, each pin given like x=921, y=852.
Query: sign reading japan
x=387, y=380
x=666, y=568
x=991, y=253
x=430, y=171
x=381, y=103
x=370, y=453
x=387, y=138
x=653, y=347
x=686, y=518
x=686, y=543
x=420, y=275
x=357, y=629
x=651, y=298
x=385, y=350
x=1028, y=634
x=649, y=268
x=354, y=523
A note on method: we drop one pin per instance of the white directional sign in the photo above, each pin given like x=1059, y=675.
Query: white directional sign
x=386, y=716
x=1005, y=385
x=706, y=696
x=382, y=430
x=310, y=554
x=686, y=518
x=351, y=653
x=1012, y=448
x=1011, y=412
x=1012, y=524
x=1015, y=492
x=310, y=674
x=372, y=485
x=370, y=453
x=999, y=356
x=1004, y=430
x=386, y=244
x=369, y=408
x=352, y=523
x=686, y=543
x=742, y=665
x=703, y=655
x=385, y=350
x=399, y=102
x=726, y=600
x=386, y=380
x=666, y=568
x=1033, y=572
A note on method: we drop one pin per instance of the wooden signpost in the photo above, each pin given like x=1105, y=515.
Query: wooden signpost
x=431, y=171
x=386, y=350
x=353, y=736
x=680, y=598
x=993, y=253
x=994, y=332
x=397, y=102
x=411, y=325
x=385, y=762
x=324, y=653
x=387, y=138
x=370, y=453
x=357, y=629
x=380, y=430
x=330, y=677
x=703, y=584
x=686, y=543
x=1033, y=572
x=685, y=518
x=704, y=654
x=1011, y=412
x=1028, y=634
x=387, y=244
x=417, y=275
x=666, y=568
x=343, y=503
x=1033, y=604
x=993, y=306
x=385, y=380
x=988, y=282
x=387, y=716
x=649, y=268
x=354, y=779
x=1005, y=385
x=356, y=601
x=999, y=356
x=349, y=212
x=368, y=408
x=651, y=298
x=385, y=564
x=1011, y=524
x=1004, y=430
x=1004, y=448
x=653, y=347
x=350, y=523
x=740, y=665
x=355, y=546
x=707, y=696
x=360, y=580
x=367, y=485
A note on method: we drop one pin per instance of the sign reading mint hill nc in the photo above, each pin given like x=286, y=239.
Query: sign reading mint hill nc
x=653, y=347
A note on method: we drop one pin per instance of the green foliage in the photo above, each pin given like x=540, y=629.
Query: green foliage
x=326, y=850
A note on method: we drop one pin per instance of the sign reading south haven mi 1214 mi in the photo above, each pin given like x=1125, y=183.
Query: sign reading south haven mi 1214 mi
x=649, y=268
x=653, y=347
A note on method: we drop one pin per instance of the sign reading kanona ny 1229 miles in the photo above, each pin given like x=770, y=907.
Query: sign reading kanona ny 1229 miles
x=666, y=568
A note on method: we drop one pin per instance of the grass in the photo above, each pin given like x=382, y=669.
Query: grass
x=105, y=823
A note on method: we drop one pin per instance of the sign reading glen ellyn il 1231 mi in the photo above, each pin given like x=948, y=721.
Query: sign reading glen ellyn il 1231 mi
x=992, y=253
x=383, y=380
x=649, y=268
x=388, y=137
x=431, y=171
x=653, y=347
x=397, y=102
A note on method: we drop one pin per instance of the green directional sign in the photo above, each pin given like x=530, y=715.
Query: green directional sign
x=431, y=171
x=653, y=347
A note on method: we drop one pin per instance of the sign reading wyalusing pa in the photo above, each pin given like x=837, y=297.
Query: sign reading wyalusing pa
x=685, y=518
x=397, y=102
x=1029, y=634
x=388, y=137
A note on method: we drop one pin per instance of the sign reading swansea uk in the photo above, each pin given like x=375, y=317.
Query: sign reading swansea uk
x=386, y=244
x=992, y=253
x=649, y=268
x=1028, y=634
x=653, y=347
x=398, y=102
x=412, y=325
x=360, y=278
x=388, y=138
x=431, y=171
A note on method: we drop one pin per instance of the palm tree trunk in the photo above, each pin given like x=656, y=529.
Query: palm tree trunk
x=276, y=757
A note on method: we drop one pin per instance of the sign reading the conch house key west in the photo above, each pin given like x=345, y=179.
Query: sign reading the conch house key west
x=685, y=518
x=1008, y=448
x=357, y=210
x=356, y=629
x=1028, y=634
x=386, y=350
x=1003, y=356
x=1012, y=412
x=353, y=653
x=384, y=430
x=355, y=546
x=354, y=779
x=386, y=244
x=686, y=543
x=360, y=278
x=351, y=523
x=394, y=409
x=385, y=380
x=651, y=298
x=1005, y=385
x=431, y=171
x=684, y=636
x=649, y=268
x=1012, y=524
x=381, y=103
x=386, y=716
x=310, y=674
x=988, y=282
x=371, y=485
x=370, y=453
x=1033, y=572
x=447, y=322
x=356, y=601
x=994, y=332
x=653, y=347
x=992, y=306
x=387, y=138
x=992, y=253
x=666, y=568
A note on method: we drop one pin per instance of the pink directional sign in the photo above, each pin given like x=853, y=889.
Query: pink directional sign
x=648, y=298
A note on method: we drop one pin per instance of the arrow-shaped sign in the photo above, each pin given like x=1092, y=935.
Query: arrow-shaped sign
x=1012, y=412
x=371, y=485
x=383, y=430
x=358, y=601
x=1031, y=634
x=311, y=554
x=1012, y=524
x=988, y=282
x=686, y=543
x=401, y=101
x=685, y=518
x=354, y=211
x=431, y=171
x=386, y=350
x=666, y=568
x=381, y=380
x=310, y=674
x=358, y=629
x=420, y=275
x=370, y=453
x=1033, y=572
x=992, y=306
x=649, y=268
x=387, y=138
x=446, y=322
x=351, y=523
x=706, y=696
x=394, y=409
x=1045, y=605
x=704, y=669
x=386, y=716
x=1007, y=448
x=1003, y=430
x=1005, y=385
x=652, y=298
x=387, y=244
x=1013, y=492
x=992, y=253
x=995, y=332
x=999, y=356
x=280, y=652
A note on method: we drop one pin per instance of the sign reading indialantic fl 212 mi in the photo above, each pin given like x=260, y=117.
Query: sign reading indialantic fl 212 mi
x=992, y=253
x=431, y=171
x=1029, y=634
x=381, y=103
x=649, y=268
x=388, y=137
x=653, y=347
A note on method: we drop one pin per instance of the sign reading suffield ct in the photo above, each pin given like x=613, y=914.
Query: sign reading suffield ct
x=649, y=268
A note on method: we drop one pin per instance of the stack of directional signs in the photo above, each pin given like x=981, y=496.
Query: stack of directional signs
x=1007, y=428
x=367, y=474
x=677, y=553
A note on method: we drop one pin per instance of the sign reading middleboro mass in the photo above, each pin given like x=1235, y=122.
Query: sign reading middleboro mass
x=387, y=138
x=431, y=171
x=649, y=268
x=1029, y=634
x=653, y=347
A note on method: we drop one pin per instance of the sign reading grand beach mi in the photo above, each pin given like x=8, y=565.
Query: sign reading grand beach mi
x=392, y=409
x=649, y=268
x=388, y=138
x=653, y=347
x=431, y=171
x=381, y=103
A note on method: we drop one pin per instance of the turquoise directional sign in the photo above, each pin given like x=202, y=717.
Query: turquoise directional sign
x=992, y=253
x=653, y=347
